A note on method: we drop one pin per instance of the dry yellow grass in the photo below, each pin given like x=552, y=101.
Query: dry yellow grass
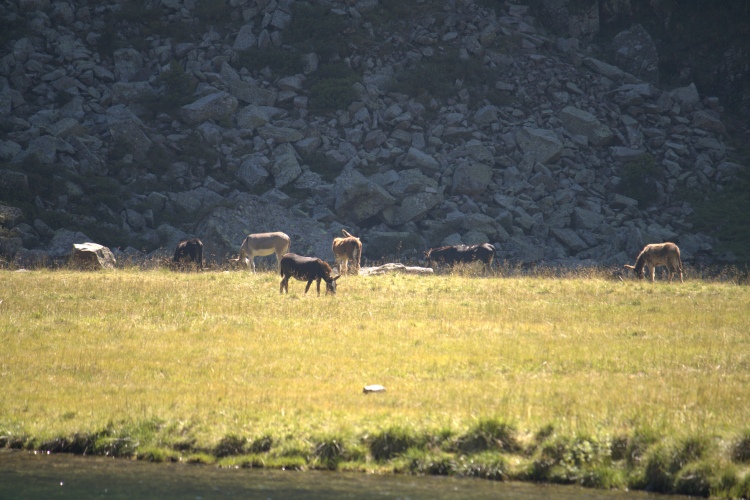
x=219, y=353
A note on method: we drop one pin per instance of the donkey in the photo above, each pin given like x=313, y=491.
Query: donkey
x=658, y=254
x=306, y=269
x=348, y=248
x=451, y=255
x=262, y=244
x=190, y=250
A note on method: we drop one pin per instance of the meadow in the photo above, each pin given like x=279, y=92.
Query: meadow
x=582, y=378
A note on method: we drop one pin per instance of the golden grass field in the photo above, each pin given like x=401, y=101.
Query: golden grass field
x=187, y=361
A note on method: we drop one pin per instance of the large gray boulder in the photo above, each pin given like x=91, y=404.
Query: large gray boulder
x=128, y=62
x=540, y=145
x=581, y=122
x=421, y=160
x=285, y=167
x=10, y=216
x=211, y=107
x=62, y=243
x=412, y=207
x=358, y=198
x=126, y=128
x=471, y=178
x=92, y=256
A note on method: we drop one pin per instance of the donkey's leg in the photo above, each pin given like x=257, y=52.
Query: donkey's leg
x=284, y=284
x=310, y=283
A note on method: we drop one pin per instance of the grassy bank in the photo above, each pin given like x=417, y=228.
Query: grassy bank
x=580, y=379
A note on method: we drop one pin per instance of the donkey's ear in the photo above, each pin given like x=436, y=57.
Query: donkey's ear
x=337, y=277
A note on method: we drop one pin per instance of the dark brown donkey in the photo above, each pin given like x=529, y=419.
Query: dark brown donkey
x=189, y=250
x=306, y=269
x=466, y=254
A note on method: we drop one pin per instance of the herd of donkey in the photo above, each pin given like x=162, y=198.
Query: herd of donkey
x=349, y=249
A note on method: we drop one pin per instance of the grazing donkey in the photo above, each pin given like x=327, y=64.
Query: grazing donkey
x=306, y=269
x=451, y=255
x=262, y=244
x=348, y=248
x=658, y=254
x=190, y=250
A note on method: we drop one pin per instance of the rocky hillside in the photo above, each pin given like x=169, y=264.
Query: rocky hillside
x=135, y=123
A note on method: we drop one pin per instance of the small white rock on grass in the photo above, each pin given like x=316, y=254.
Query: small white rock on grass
x=373, y=388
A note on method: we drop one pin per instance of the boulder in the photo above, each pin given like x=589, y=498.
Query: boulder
x=128, y=62
x=92, y=256
x=358, y=198
x=421, y=160
x=10, y=216
x=211, y=107
x=580, y=122
x=126, y=128
x=10, y=246
x=285, y=168
x=62, y=243
x=253, y=171
x=471, y=178
x=540, y=145
x=570, y=239
x=411, y=208
x=245, y=39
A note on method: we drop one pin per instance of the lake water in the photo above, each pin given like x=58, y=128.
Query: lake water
x=29, y=475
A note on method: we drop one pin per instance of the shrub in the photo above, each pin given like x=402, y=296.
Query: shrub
x=391, y=442
x=659, y=474
x=330, y=451
x=741, y=448
x=261, y=445
x=230, y=445
x=695, y=480
x=489, y=434
x=178, y=88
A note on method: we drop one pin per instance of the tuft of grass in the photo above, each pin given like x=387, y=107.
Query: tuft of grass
x=391, y=442
x=741, y=447
x=230, y=445
x=489, y=434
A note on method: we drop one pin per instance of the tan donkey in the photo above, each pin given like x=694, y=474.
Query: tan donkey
x=347, y=249
x=658, y=254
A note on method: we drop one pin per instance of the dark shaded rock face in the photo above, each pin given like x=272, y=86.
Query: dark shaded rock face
x=635, y=52
x=535, y=146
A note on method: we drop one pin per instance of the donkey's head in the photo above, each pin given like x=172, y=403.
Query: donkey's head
x=331, y=284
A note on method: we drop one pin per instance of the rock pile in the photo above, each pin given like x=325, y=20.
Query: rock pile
x=543, y=160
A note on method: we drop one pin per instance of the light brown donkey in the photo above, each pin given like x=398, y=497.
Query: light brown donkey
x=347, y=249
x=658, y=254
